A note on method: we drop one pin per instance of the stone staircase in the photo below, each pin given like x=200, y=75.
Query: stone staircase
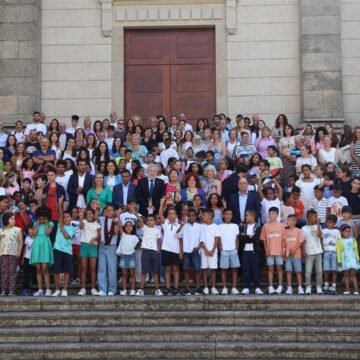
x=212, y=327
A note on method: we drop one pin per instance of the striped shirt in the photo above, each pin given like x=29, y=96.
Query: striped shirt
x=320, y=206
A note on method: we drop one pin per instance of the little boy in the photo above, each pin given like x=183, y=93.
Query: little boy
x=312, y=251
x=293, y=254
x=286, y=208
x=189, y=235
x=29, y=271
x=229, y=247
x=273, y=235
x=337, y=201
x=273, y=159
x=209, y=240
x=320, y=204
x=330, y=238
x=298, y=206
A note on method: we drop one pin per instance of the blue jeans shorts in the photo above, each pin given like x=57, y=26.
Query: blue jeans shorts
x=229, y=259
x=192, y=261
x=292, y=264
x=329, y=261
x=127, y=261
x=274, y=259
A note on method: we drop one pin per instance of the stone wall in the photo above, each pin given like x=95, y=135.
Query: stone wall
x=19, y=59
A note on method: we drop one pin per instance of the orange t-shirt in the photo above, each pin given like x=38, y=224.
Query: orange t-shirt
x=298, y=208
x=293, y=238
x=273, y=235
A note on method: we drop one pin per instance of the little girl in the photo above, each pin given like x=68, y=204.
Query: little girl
x=11, y=244
x=126, y=251
x=41, y=253
x=11, y=184
x=223, y=173
x=27, y=171
x=76, y=246
x=348, y=258
x=264, y=167
x=270, y=199
x=90, y=235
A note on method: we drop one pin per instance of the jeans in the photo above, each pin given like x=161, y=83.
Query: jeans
x=107, y=268
x=310, y=260
x=250, y=268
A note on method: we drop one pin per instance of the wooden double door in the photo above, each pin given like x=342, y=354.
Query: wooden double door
x=168, y=71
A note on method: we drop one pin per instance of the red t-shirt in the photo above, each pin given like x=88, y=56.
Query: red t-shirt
x=51, y=203
x=298, y=208
x=19, y=222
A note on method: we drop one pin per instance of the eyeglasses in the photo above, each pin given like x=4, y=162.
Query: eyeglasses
x=120, y=123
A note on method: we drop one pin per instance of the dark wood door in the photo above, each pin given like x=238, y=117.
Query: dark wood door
x=170, y=71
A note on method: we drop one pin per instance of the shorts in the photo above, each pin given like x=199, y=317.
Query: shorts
x=169, y=258
x=229, y=259
x=292, y=264
x=76, y=249
x=192, y=261
x=274, y=259
x=329, y=261
x=150, y=261
x=88, y=251
x=127, y=261
x=62, y=262
x=209, y=262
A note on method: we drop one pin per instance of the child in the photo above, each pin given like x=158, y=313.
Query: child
x=269, y=200
x=189, y=235
x=320, y=204
x=330, y=238
x=63, y=249
x=273, y=159
x=346, y=213
x=229, y=247
x=209, y=240
x=41, y=253
x=126, y=251
x=286, y=209
x=273, y=235
x=40, y=184
x=170, y=250
x=29, y=271
x=26, y=192
x=298, y=206
x=251, y=249
x=11, y=184
x=291, y=183
x=90, y=235
x=312, y=251
x=33, y=205
x=76, y=247
x=223, y=173
x=348, y=258
x=293, y=243
x=22, y=219
x=11, y=244
x=337, y=201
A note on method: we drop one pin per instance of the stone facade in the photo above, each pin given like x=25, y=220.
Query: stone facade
x=299, y=57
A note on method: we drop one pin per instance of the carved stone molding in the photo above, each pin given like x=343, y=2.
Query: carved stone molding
x=106, y=17
x=231, y=16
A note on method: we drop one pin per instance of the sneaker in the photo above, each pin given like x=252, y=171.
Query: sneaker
x=326, y=288
x=167, y=292
x=206, y=291
x=75, y=281
x=56, y=293
x=271, y=290
x=289, y=291
x=300, y=290
x=234, y=291
x=258, y=291
x=25, y=292
x=214, y=291
x=94, y=292
x=355, y=293
x=224, y=291
x=162, y=280
x=110, y=293
x=199, y=292
x=123, y=292
x=346, y=293
x=319, y=290
x=176, y=292
x=48, y=292
x=245, y=291
x=332, y=290
x=3, y=293
x=158, y=292
x=37, y=293
x=279, y=289
x=82, y=292
x=11, y=293
x=100, y=293
x=64, y=293
x=308, y=290
x=186, y=292
x=139, y=292
x=132, y=292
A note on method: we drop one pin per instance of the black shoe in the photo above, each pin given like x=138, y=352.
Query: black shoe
x=176, y=292
x=167, y=292
x=186, y=292
x=199, y=292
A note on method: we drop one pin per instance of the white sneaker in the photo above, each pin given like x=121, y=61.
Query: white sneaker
x=214, y=291
x=271, y=290
x=82, y=292
x=158, y=292
x=258, y=291
x=319, y=290
x=279, y=289
x=206, y=291
x=289, y=291
x=234, y=291
x=346, y=292
x=300, y=290
x=123, y=292
x=245, y=291
x=64, y=293
x=308, y=290
x=38, y=293
x=56, y=293
x=132, y=292
x=224, y=291
x=110, y=293
x=139, y=292
x=100, y=293
x=48, y=292
x=94, y=292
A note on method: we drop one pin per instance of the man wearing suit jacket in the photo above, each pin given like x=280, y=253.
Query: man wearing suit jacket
x=230, y=185
x=79, y=184
x=149, y=188
x=242, y=201
x=123, y=192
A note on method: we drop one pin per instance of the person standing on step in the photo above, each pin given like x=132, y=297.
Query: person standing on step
x=273, y=235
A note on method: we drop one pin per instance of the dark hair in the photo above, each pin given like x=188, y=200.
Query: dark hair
x=292, y=216
x=219, y=203
x=346, y=170
x=272, y=147
x=286, y=196
x=210, y=152
x=295, y=189
x=320, y=128
x=310, y=212
x=306, y=166
x=344, y=227
x=97, y=155
x=116, y=172
x=346, y=209
x=277, y=121
x=6, y=217
x=320, y=188
x=75, y=117
x=337, y=187
x=347, y=137
x=333, y=218
x=43, y=211
x=274, y=209
x=251, y=212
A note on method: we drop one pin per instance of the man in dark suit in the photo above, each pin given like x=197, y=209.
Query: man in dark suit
x=123, y=192
x=230, y=185
x=79, y=184
x=149, y=188
x=242, y=201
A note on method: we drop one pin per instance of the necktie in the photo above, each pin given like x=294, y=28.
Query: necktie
x=151, y=187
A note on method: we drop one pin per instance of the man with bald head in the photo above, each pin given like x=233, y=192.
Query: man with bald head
x=255, y=119
x=63, y=135
x=45, y=154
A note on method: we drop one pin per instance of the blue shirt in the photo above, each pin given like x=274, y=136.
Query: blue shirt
x=41, y=153
x=61, y=243
x=242, y=206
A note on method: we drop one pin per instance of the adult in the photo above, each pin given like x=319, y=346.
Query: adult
x=192, y=188
x=149, y=188
x=35, y=125
x=112, y=176
x=54, y=126
x=210, y=184
x=124, y=191
x=305, y=158
x=19, y=132
x=18, y=158
x=230, y=185
x=148, y=140
x=241, y=126
x=343, y=175
x=218, y=146
x=254, y=126
x=87, y=126
x=333, y=137
x=354, y=198
x=3, y=136
x=286, y=144
x=344, y=145
x=355, y=152
x=70, y=151
x=319, y=137
x=74, y=125
x=224, y=132
x=244, y=149
x=62, y=178
x=183, y=116
x=63, y=135
x=328, y=153
x=45, y=154
x=32, y=144
x=120, y=131
x=278, y=131
x=264, y=141
x=138, y=151
x=99, y=191
x=231, y=144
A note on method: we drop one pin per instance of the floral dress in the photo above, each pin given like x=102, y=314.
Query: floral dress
x=347, y=254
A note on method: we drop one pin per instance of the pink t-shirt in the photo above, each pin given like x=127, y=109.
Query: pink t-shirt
x=293, y=238
x=273, y=235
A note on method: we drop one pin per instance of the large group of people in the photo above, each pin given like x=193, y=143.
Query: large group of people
x=164, y=200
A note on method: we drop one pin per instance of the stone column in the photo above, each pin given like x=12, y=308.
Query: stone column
x=20, y=58
x=320, y=47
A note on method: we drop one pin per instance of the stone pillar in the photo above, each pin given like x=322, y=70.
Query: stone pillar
x=321, y=61
x=20, y=58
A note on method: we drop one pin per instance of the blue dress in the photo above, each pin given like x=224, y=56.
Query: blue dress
x=348, y=255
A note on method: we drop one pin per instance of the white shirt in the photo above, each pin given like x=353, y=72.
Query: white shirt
x=165, y=155
x=249, y=232
x=311, y=240
x=20, y=136
x=3, y=139
x=191, y=236
x=127, y=216
x=208, y=235
x=266, y=205
x=62, y=140
x=150, y=238
x=28, y=245
x=330, y=237
x=229, y=234
x=89, y=231
x=127, y=244
x=171, y=242
x=63, y=181
x=188, y=127
x=81, y=199
x=35, y=126
x=71, y=130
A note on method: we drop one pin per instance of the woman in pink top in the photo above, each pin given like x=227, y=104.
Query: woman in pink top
x=262, y=142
